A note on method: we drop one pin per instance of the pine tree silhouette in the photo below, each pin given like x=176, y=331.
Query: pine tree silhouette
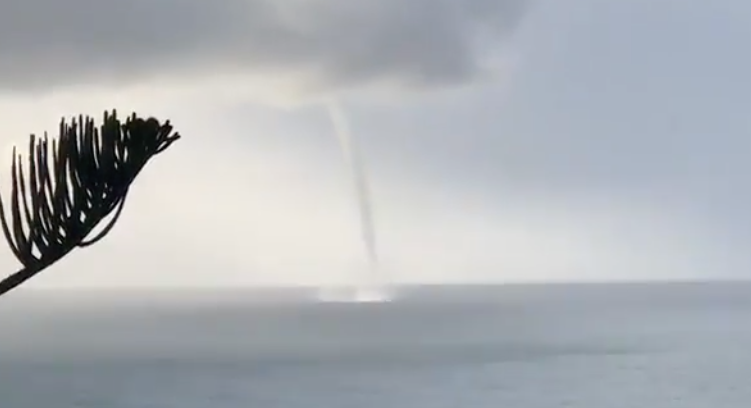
x=71, y=184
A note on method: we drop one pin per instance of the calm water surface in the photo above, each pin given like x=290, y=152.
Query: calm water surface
x=589, y=346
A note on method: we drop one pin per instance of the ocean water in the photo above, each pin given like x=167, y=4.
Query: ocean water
x=536, y=346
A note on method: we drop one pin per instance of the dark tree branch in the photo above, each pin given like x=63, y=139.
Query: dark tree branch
x=70, y=188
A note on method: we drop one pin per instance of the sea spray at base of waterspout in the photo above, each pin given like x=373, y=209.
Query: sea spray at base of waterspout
x=369, y=289
x=354, y=295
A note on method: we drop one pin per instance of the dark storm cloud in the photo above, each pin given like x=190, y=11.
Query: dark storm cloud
x=420, y=42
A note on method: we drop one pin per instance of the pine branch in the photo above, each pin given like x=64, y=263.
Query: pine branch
x=70, y=188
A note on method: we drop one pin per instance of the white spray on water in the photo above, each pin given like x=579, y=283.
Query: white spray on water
x=362, y=189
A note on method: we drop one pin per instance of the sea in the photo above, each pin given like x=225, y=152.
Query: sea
x=639, y=345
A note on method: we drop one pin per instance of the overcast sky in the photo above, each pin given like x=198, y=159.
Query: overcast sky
x=505, y=140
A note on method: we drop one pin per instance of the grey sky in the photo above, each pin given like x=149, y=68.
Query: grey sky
x=331, y=43
x=616, y=147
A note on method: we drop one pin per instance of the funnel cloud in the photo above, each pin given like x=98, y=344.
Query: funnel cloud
x=352, y=157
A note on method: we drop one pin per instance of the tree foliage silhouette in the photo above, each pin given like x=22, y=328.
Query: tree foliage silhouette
x=73, y=183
